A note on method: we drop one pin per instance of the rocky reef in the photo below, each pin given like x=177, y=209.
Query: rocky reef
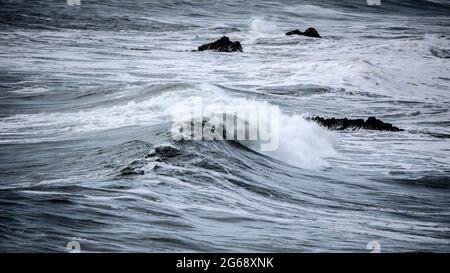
x=371, y=123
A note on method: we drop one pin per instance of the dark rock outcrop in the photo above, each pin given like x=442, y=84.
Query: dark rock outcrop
x=222, y=45
x=294, y=32
x=310, y=32
x=371, y=123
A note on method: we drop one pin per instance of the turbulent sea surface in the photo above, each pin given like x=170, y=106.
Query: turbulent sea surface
x=88, y=94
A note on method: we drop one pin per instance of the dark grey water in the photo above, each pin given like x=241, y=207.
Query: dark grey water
x=88, y=94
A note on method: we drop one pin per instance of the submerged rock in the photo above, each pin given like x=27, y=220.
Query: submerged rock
x=371, y=123
x=440, y=52
x=129, y=171
x=164, y=151
x=222, y=45
x=310, y=32
x=134, y=168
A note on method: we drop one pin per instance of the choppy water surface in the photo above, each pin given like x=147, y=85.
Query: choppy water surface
x=88, y=94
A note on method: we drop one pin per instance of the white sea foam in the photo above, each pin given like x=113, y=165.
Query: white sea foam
x=304, y=144
x=260, y=25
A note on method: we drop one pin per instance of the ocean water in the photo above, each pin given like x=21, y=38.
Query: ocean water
x=88, y=91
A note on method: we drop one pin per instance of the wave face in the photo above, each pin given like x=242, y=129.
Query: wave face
x=90, y=92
